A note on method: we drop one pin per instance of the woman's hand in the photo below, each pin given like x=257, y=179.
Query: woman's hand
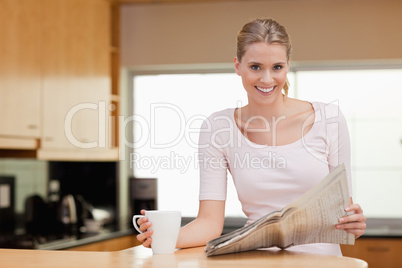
x=145, y=237
x=354, y=223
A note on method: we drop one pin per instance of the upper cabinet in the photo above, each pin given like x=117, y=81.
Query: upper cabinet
x=20, y=74
x=77, y=80
x=56, y=79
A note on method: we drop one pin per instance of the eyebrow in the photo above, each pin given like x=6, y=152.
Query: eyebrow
x=259, y=63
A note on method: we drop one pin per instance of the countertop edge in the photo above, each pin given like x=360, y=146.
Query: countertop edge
x=73, y=242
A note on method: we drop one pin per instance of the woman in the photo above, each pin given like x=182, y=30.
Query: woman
x=275, y=147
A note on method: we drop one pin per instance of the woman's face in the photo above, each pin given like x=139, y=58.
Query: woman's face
x=263, y=70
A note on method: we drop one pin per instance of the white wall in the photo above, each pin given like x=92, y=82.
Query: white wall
x=321, y=30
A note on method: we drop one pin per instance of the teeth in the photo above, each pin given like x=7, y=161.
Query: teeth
x=266, y=90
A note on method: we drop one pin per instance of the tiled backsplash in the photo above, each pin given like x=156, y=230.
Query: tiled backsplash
x=31, y=177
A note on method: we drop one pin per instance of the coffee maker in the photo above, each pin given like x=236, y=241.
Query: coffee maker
x=143, y=194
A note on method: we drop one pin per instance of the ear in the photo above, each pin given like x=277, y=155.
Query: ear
x=237, y=66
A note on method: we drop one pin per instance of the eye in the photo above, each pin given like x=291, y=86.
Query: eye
x=278, y=67
x=255, y=67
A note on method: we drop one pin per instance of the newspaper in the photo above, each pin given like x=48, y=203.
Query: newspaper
x=310, y=219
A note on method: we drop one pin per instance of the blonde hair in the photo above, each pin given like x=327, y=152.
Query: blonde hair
x=263, y=30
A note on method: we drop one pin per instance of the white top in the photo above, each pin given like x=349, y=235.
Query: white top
x=267, y=178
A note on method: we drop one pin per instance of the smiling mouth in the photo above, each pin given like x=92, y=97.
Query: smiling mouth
x=265, y=89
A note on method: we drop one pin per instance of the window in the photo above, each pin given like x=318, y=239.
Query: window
x=173, y=106
x=371, y=103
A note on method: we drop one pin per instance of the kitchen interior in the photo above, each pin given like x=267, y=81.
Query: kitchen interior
x=65, y=180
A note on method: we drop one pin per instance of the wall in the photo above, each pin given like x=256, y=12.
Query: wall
x=31, y=177
x=321, y=30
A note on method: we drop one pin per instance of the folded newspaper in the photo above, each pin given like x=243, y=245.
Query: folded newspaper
x=310, y=219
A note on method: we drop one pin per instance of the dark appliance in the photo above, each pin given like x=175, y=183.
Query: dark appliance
x=53, y=207
x=35, y=215
x=42, y=220
x=7, y=204
x=73, y=211
x=143, y=195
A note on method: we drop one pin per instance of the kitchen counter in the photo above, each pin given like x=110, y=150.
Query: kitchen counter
x=376, y=228
x=192, y=257
x=383, y=227
x=55, y=242
x=74, y=241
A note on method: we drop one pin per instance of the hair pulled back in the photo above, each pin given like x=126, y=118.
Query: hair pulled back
x=263, y=30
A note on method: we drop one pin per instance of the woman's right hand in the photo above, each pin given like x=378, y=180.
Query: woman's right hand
x=145, y=236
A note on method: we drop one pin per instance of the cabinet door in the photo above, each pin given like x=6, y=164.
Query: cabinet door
x=75, y=118
x=377, y=252
x=20, y=68
x=76, y=83
x=114, y=244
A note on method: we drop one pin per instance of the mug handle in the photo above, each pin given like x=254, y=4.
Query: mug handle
x=135, y=217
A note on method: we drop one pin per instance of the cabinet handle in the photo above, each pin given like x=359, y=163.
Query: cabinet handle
x=378, y=249
x=32, y=127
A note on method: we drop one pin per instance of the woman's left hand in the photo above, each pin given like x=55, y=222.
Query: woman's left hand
x=354, y=223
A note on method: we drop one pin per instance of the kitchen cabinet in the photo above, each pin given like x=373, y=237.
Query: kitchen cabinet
x=56, y=79
x=74, y=119
x=76, y=81
x=114, y=244
x=377, y=252
x=20, y=77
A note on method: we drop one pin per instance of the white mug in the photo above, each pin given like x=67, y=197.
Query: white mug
x=165, y=226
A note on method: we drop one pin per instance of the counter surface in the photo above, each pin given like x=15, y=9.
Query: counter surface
x=193, y=257
x=376, y=228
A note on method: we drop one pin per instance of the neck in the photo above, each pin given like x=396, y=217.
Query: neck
x=269, y=111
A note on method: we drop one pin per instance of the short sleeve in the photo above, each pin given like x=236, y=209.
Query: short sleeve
x=212, y=162
x=338, y=140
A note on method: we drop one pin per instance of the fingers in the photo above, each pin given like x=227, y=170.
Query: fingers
x=145, y=236
x=143, y=224
x=354, y=223
x=147, y=242
x=356, y=232
x=353, y=218
x=357, y=216
x=354, y=207
x=357, y=229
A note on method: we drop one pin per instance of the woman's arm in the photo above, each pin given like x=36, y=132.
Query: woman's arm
x=340, y=153
x=213, y=180
x=207, y=225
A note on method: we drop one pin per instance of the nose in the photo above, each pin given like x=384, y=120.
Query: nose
x=266, y=77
